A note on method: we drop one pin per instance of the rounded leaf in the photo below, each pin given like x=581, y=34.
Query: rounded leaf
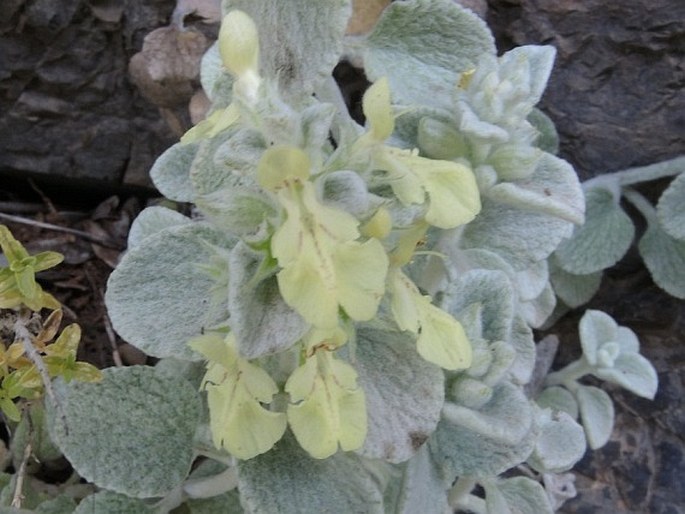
x=603, y=239
x=596, y=413
x=560, y=444
x=404, y=394
x=159, y=296
x=288, y=481
x=671, y=208
x=436, y=40
x=131, y=433
x=171, y=172
x=665, y=259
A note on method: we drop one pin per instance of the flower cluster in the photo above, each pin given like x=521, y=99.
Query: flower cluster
x=337, y=264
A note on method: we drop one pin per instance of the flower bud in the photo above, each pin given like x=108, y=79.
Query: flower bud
x=239, y=43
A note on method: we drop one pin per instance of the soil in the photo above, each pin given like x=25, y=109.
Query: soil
x=74, y=123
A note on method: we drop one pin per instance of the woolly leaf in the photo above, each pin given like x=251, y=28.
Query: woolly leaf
x=159, y=296
x=573, y=290
x=596, y=328
x=538, y=310
x=171, y=172
x=493, y=290
x=552, y=189
x=485, y=442
x=300, y=40
x=422, y=489
x=435, y=40
x=521, y=237
x=404, y=394
x=522, y=496
x=522, y=341
x=560, y=444
x=216, y=80
x=602, y=240
x=671, y=208
x=261, y=321
x=153, y=220
x=131, y=433
x=596, y=413
x=548, y=139
x=288, y=481
x=633, y=372
x=558, y=398
x=531, y=282
x=665, y=259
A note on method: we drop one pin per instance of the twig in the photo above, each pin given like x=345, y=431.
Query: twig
x=105, y=318
x=43, y=196
x=18, y=496
x=49, y=226
x=112, y=341
x=22, y=333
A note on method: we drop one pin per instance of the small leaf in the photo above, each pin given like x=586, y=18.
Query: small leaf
x=596, y=413
x=436, y=40
x=602, y=240
x=633, y=372
x=553, y=189
x=404, y=394
x=596, y=328
x=524, y=496
x=493, y=290
x=537, y=311
x=486, y=442
x=131, y=433
x=573, y=290
x=288, y=481
x=665, y=259
x=558, y=398
x=671, y=208
x=530, y=283
x=548, y=139
x=560, y=444
x=521, y=340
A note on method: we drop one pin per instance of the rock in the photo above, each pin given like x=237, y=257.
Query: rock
x=616, y=90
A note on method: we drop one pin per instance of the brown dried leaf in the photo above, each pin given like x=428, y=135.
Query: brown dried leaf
x=365, y=14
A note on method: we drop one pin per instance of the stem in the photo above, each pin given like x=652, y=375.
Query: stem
x=472, y=504
x=567, y=376
x=643, y=173
x=641, y=204
x=461, y=488
x=214, y=485
x=18, y=496
x=21, y=332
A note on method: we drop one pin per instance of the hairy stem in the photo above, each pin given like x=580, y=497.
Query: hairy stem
x=640, y=174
